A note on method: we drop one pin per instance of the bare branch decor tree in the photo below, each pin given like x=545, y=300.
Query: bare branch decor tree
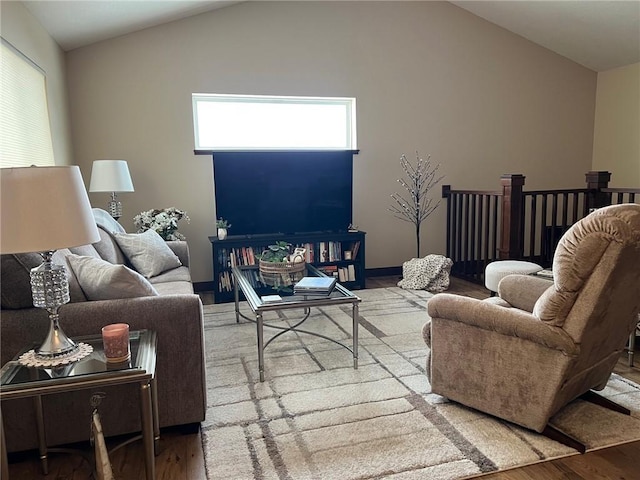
x=414, y=206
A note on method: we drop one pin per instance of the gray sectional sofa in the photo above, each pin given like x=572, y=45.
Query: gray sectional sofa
x=175, y=314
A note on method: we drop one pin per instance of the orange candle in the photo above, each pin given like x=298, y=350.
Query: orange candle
x=115, y=338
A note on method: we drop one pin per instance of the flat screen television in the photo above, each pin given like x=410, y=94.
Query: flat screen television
x=284, y=192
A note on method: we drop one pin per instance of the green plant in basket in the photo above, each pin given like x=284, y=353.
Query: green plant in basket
x=276, y=253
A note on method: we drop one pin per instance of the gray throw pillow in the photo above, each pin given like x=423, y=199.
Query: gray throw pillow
x=16, y=279
x=148, y=252
x=106, y=221
x=101, y=280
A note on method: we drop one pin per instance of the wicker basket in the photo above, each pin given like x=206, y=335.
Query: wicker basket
x=281, y=280
x=281, y=267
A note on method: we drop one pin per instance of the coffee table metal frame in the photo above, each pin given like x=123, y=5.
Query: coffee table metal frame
x=339, y=296
x=143, y=372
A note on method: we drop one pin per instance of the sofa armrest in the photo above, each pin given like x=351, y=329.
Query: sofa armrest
x=505, y=321
x=523, y=291
x=181, y=249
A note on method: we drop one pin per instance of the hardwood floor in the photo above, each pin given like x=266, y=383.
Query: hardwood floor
x=181, y=456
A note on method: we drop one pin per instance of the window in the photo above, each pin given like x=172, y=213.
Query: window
x=24, y=114
x=257, y=122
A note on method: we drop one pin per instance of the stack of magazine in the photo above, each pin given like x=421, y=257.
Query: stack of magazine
x=315, y=286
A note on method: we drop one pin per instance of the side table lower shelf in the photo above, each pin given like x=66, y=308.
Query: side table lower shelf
x=141, y=369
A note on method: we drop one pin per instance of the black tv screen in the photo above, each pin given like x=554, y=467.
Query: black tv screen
x=284, y=192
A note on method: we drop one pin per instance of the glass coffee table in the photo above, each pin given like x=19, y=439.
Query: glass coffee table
x=92, y=371
x=248, y=278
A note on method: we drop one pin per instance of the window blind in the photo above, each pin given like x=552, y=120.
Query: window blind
x=25, y=132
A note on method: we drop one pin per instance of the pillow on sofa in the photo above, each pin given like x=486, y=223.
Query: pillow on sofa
x=16, y=279
x=101, y=280
x=106, y=221
x=148, y=252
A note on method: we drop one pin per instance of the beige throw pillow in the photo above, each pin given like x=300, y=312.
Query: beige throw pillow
x=101, y=280
x=148, y=252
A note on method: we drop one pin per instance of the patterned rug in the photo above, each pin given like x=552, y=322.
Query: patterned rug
x=315, y=417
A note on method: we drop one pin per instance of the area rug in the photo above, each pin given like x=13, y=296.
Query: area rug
x=316, y=417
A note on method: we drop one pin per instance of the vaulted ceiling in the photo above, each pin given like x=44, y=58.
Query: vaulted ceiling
x=597, y=34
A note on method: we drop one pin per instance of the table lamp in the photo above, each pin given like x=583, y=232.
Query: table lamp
x=44, y=209
x=111, y=176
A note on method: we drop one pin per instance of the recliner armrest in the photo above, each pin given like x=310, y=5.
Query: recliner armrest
x=523, y=291
x=505, y=321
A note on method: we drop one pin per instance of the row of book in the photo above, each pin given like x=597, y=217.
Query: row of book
x=325, y=252
x=343, y=274
x=347, y=274
x=319, y=252
x=226, y=281
x=232, y=257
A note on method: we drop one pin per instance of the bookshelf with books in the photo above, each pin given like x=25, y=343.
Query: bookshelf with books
x=341, y=255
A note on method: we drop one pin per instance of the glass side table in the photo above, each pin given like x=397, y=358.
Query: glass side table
x=93, y=371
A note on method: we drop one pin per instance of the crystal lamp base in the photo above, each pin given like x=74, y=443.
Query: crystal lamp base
x=50, y=290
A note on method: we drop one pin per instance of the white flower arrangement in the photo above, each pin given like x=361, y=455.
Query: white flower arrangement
x=165, y=222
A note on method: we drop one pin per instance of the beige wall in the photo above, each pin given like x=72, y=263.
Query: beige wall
x=25, y=33
x=616, y=138
x=428, y=76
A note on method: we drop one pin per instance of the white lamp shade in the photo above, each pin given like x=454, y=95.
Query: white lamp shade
x=44, y=209
x=110, y=176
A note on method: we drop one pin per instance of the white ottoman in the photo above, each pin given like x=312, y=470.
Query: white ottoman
x=496, y=271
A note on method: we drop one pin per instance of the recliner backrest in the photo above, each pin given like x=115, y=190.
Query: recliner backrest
x=596, y=293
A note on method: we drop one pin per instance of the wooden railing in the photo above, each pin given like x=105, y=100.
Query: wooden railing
x=472, y=229
x=547, y=215
x=616, y=196
x=483, y=226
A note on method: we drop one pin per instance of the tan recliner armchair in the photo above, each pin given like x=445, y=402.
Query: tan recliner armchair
x=524, y=355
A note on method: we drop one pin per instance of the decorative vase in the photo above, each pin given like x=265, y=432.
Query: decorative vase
x=222, y=233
